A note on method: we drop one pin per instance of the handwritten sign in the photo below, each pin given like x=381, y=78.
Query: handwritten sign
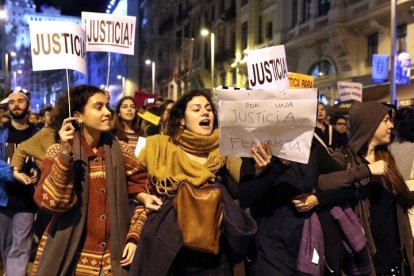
x=297, y=80
x=285, y=119
x=109, y=33
x=349, y=91
x=57, y=45
x=148, y=116
x=267, y=68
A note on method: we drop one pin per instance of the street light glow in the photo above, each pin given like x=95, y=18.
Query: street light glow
x=12, y=54
x=3, y=14
x=119, y=77
x=204, y=32
x=19, y=71
x=147, y=62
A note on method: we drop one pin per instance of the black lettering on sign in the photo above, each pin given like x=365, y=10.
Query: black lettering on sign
x=107, y=32
x=47, y=43
x=274, y=143
x=269, y=71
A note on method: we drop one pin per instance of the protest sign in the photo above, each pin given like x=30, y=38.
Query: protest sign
x=349, y=91
x=267, y=68
x=109, y=33
x=285, y=119
x=297, y=80
x=140, y=145
x=57, y=45
x=150, y=117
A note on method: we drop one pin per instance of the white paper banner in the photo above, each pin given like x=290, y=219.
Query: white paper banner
x=57, y=45
x=349, y=91
x=267, y=68
x=109, y=33
x=286, y=119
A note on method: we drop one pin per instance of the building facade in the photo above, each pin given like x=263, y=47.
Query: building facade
x=46, y=86
x=332, y=40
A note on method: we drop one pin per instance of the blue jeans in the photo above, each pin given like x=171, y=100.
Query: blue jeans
x=15, y=240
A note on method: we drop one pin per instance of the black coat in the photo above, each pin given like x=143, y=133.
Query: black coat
x=269, y=197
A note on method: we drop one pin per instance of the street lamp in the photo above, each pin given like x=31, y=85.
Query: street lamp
x=393, y=88
x=120, y=77
x=15, y=73
x=7, y=61
x=3, y=14
x=148, y=62
x=205, y=33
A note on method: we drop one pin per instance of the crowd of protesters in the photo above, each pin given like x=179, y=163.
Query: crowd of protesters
x=96, y=191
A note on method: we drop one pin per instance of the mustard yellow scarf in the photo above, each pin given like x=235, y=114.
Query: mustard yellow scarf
x=167, y=162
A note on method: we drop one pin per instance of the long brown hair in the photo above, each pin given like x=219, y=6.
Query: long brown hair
x=393, y=180
x=118, y=125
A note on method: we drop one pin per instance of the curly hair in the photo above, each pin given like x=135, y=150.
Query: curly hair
x=79, y=96
x=404, y=124
x=177, y=112
x=118, y=125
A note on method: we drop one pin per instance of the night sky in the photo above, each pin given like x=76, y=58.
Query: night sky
x=74, y=7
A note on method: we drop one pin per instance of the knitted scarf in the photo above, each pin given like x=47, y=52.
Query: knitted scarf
x=67, y=230
x=167, y=162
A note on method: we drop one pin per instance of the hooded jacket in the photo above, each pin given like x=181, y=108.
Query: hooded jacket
x=364, y=119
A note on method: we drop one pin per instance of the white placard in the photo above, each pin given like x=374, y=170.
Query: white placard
x=285, y=118
x=57, y=45
x=142, y=141
x=349, y=91
x=267, y=68
x=109, y=33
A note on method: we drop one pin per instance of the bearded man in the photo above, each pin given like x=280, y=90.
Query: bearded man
x=17, y=211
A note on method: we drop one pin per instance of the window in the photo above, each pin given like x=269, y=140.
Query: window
x=294, y=13
x=233, y=42
x=321, y=69
x=223, y=78
x=260, y=30
x=244, y=2
x=306, y=10
x=324, y=6
x=244, y=35
x=372, y=48
x=269, y=30
x=402, y=37
x=234, y=76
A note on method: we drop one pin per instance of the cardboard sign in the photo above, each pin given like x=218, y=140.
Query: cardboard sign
x=285, y=119
x=57, y=45
x=148, y=116
x=109, y=33
x=297, y=80
x=267, y=68
x=349, y=91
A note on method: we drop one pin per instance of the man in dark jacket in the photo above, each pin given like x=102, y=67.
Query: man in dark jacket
x=17, y=213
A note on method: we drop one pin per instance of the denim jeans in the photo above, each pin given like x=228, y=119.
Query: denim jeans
x=15, y=240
